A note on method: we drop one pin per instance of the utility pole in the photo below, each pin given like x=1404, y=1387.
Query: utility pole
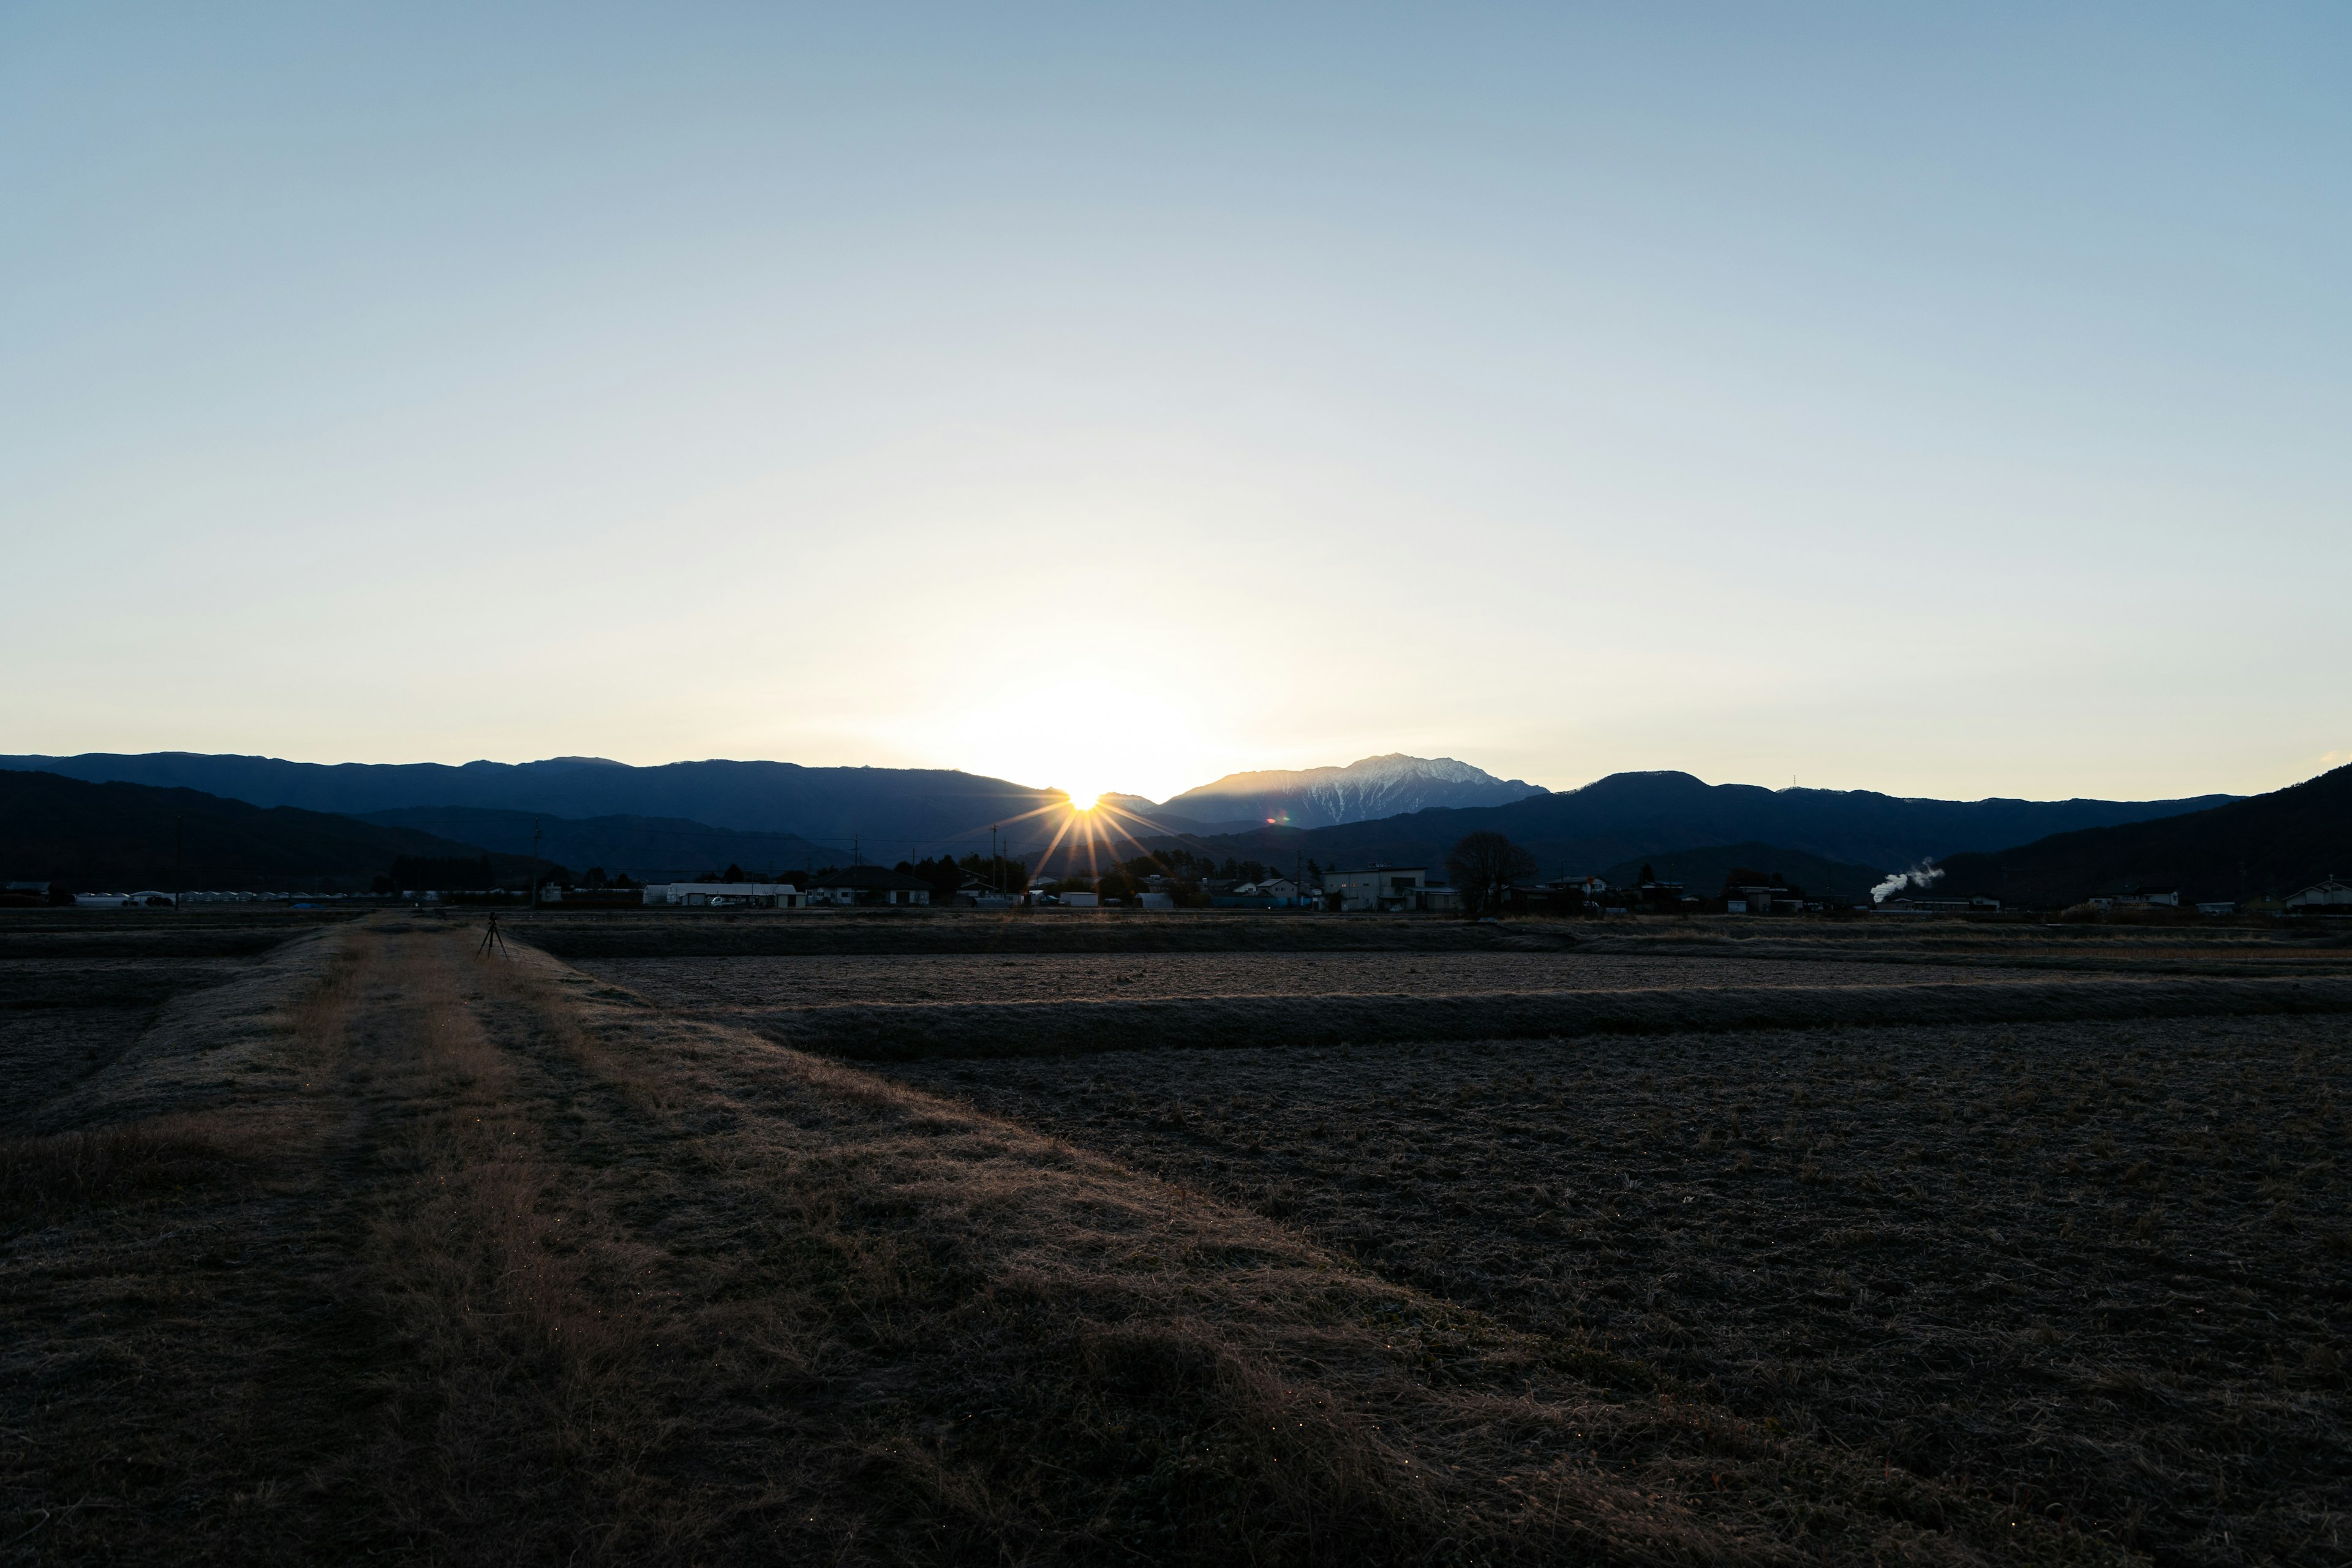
x=534, y=865
x=179, y=877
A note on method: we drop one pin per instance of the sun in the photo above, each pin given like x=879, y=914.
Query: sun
x=1083, y=800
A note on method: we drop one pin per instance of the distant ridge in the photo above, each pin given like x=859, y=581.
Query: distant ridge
x=2276, y=843
x=649, y=848
x=888, y=811
x=1628, y=816
x=125, y=837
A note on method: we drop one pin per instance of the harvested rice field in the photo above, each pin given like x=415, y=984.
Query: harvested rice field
x=2102, y=1272
x=943, y=1240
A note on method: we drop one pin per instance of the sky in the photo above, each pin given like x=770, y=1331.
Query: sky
x=1946, y=400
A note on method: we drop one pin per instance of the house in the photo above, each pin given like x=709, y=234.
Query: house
x=2144, y=898
x=2329, y=895
x=1376, y=888
x=724, y=895
x=979, y=893
x=869, y=885
x=1274, y=893
x=1556, y=899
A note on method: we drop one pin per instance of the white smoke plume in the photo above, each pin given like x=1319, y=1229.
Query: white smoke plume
x=1919, y=875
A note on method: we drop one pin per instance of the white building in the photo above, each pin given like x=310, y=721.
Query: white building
x=2327, y=894
x=2138, y=898
x=1273, y=893
x=1377, y=886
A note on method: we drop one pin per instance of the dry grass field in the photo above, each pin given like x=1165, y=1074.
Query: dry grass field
x=342, y=1241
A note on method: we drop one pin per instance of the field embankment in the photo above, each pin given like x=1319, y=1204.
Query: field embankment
x=899, y=1032
x=828, y=932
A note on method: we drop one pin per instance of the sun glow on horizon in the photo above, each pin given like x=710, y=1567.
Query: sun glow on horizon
x=1058, y=734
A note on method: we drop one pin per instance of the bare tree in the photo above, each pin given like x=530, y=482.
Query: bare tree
x=1483, y=866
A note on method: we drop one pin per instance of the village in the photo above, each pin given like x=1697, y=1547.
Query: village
x=1161, y=882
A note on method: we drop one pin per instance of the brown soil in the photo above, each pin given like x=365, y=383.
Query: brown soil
x=382, y=1249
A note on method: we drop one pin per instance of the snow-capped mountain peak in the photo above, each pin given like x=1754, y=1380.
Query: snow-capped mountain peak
x=1363, y=790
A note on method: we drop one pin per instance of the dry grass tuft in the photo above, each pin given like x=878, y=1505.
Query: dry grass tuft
x=109, y=1164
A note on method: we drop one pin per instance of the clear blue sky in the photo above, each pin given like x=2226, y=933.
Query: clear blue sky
x=1951, y=400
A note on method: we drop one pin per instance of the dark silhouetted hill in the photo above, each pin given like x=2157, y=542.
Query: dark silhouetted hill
x=1629, y=815
x=123, y=837
x=888, y=810
x=1702, y=871
x=2274, y=843
x=649, y=848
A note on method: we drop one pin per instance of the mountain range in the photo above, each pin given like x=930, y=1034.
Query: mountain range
x=682, y=818
x=1627, y=815
x=649, y=848
x=124, y=837
x=883, y=813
